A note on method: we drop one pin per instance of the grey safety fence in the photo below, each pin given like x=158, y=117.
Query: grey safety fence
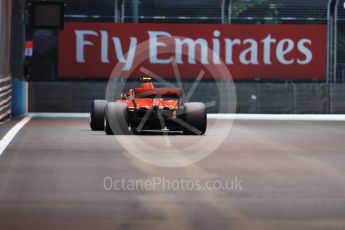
x=199, y=11
x=337, y=30
x=274, y=11
x=5, y=77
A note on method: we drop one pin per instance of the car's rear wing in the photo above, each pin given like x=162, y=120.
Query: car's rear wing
x=158, y=91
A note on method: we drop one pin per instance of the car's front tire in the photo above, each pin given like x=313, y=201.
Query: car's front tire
x=97, y=114
x=116, y=118
x=195, y=117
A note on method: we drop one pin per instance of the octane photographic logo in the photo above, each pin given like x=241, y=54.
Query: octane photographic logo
x=176, y=150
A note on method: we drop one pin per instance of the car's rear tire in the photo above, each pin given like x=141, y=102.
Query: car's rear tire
x=116, y=114
x=196, y=118
x=97, y=114
x=107, y=128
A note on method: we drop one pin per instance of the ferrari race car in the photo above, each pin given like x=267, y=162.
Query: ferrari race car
x=149, y=109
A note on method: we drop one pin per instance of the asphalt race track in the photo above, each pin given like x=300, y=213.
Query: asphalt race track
x=291, y=175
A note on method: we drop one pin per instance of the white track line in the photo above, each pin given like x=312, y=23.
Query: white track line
x=278, y=117
x=258, y=117
x=6, y=140
x=61, y=115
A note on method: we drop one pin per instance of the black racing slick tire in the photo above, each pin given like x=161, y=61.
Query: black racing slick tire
x=195, y=118
x=116, y=114
x=97, y=114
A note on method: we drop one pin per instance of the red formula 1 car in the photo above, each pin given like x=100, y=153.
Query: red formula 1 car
x=147, y=109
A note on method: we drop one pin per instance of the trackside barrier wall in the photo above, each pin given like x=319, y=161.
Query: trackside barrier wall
x=246, y=97
x=311, y=98
x=5, y=97
x=5, y=75
x=64, y=96
x=337, y=98
x=275, y=98
x=270, y=98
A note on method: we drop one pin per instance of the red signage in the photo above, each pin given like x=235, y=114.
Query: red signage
x=247, y=51
x=29, y=48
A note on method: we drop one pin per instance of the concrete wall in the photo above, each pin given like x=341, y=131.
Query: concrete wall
x=251, y=97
